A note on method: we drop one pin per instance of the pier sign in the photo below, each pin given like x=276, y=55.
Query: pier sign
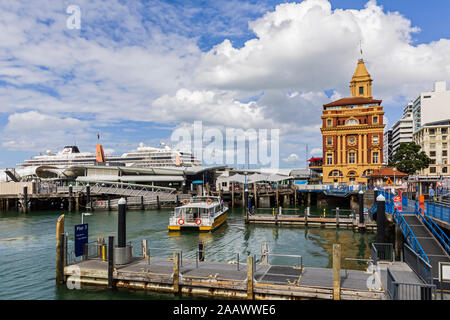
x=81, y=237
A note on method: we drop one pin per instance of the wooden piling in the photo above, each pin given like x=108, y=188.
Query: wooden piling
x=144, y=248
x=336, y=271
x=232, y=195
x=60, y=250
x=77, y=203
x=142, y=203
x=70, y=198
x=255, y=190
x=158, y=204
x=250, y=293
x=176, y=272
x=243, y=197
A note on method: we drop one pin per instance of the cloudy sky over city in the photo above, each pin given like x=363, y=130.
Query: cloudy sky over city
x=136, y=71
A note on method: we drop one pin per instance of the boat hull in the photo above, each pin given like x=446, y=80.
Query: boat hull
x=218, y=221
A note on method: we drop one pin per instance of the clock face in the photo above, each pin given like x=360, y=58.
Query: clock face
x=351, y=140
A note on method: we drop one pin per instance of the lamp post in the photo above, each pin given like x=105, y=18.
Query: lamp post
x=84, y=214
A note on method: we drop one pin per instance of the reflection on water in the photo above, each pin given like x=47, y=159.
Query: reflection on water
x=27, y=247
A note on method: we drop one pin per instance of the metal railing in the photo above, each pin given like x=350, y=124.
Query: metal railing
x=434, y=228
x=408, y=291
x=438, y=211
x=382, y=252
x=268, y=254
x=421, y=267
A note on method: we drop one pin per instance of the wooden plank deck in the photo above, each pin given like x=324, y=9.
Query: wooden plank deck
x=222, y=279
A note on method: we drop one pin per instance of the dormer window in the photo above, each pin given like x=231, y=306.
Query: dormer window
x=361, y=90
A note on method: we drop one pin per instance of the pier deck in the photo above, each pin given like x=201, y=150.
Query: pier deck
x=226, y=280
x=332, y=222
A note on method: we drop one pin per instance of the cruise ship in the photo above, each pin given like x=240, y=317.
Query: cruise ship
x=142, y=157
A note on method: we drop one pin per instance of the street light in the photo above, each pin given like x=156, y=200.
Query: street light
x=85, y=214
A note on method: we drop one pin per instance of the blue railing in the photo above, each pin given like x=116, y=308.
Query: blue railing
x=409, y=235
x=403, y=225
x=434, y=228
x=438, y=211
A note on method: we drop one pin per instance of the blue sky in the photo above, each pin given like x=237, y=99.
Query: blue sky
x=138, y=70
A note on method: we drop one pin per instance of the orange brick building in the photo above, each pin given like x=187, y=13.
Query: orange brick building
x=352, y=132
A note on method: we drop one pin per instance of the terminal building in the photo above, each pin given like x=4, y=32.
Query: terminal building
x=352, y=133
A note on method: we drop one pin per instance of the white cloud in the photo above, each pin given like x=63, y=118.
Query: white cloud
x=293, y=158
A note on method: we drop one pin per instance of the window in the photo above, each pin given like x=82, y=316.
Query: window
x=361, y=90
x=375, y=157
x=329, y=159
x=444, y=145
x=432, y=153
x=444, y=137
x=224, y=184
x=431, y=131
x=444, y=153
x=375, y=139
x=352, y=122
x=375, y=119
x=444, y=130
x=432, y=161
x=432, y=145
x=444, y=170
x=444, y=160
x=351, y=157
x=329, y=122
x=329, y=141
x=432, y=169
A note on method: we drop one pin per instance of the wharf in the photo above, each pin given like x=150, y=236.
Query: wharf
x=219, y=279
x=331, y=222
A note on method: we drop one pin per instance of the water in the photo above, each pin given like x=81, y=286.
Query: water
x=28, y=242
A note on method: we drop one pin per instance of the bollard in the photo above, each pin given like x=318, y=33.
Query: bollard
x=381, y=218
x=122, y=227
x=361, y=206
x=110, y=261
x=201, y=252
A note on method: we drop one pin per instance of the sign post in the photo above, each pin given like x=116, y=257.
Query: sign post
x=81, y=238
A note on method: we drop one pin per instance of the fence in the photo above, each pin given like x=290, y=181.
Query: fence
x=438, y=211
x=418, y=264
x=382, y=251
x=408, y=291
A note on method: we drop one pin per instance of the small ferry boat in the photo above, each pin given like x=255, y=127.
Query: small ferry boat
x=202, y=213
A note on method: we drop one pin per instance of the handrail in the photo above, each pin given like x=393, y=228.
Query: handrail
x=407, y=232
x=439, y=233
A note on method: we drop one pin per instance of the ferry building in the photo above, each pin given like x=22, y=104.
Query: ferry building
x=352, y=133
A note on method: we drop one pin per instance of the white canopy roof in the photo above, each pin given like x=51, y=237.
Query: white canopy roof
x=257, y=177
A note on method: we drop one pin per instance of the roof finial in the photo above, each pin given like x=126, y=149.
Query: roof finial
x=360, y=49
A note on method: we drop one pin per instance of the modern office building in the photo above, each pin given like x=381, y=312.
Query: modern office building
x=434, y=139
x=352, y=133
x=431, y=106
x=402, y=131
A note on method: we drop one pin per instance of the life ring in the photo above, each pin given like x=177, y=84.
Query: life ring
x=100, y=203
x=209, y=201
x=198, y=221
x=186, y=201
x=180, y=221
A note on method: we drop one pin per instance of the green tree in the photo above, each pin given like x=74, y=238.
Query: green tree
x=409, y=159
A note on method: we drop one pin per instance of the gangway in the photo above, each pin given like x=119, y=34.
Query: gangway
x=423, y=235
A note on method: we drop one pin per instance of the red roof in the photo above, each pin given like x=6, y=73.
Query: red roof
x=352, y=101
x=387, y=172
x=315, y=159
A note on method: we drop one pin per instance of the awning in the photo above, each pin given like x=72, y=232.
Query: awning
x=133, y=178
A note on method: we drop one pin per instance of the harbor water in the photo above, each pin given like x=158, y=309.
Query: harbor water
x=28, y=242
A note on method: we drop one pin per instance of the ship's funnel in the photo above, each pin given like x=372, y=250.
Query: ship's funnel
x=100, y=157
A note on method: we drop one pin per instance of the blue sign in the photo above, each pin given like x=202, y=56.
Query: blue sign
x=81, y=238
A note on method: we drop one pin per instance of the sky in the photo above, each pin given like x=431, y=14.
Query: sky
x=139, y=71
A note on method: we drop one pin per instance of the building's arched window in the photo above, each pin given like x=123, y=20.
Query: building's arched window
x=352, y=122
x=335, y=173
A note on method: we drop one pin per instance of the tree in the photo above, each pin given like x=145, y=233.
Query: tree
x=409, y=159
